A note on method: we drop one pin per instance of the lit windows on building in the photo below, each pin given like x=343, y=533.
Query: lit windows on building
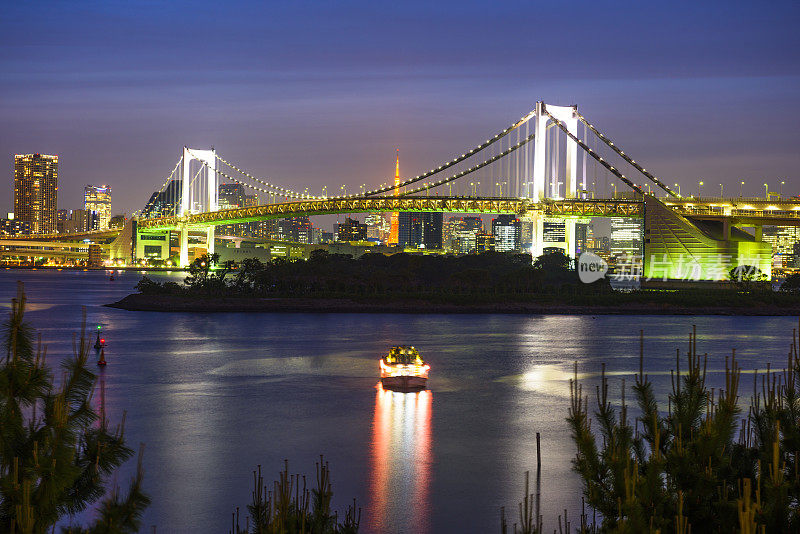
x=554, y=231
x=783, y=240
x=351, y=230
x=420, y=230
x=584, y=236
x=36, y=191
x=97, y=198
x=506, y=230
x=164, y=203
x=626, y=237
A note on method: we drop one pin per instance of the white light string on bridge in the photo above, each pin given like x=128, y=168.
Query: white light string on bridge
x=624, y=156
x=232, y=179
x=454, y=161
x=281, y=191
x=471, y=169
x=596, y=156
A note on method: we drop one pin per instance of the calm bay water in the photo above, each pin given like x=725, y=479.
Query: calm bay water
x=213, y=395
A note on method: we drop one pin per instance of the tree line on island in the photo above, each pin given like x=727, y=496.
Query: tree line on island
x=491, y=273
x=491, y=277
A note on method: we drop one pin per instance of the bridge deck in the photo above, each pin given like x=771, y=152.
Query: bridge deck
x=563, y=208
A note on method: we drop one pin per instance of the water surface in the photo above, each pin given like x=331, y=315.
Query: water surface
x=213, y=395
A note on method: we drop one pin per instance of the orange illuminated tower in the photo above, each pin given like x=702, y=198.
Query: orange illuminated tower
x=394, y=228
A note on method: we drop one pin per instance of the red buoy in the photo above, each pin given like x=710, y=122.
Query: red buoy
x=102, y=360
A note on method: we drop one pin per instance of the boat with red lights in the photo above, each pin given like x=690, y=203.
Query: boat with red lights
x=403, y=369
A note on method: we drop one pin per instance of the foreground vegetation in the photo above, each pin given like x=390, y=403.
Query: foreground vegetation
x=56, y=452
x=695, y=465
x=291, y=508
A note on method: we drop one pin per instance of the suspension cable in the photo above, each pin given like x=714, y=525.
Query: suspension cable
x=624, y=156
x=592, y=153
x=456, y=160
x=471, y=169
x=163, y=187
x=268, y=192
x=278, y=189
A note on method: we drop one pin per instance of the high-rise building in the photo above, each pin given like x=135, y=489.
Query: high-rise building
x=506, y=232
x=36, y=191
x=783, y=239
x=97, y=198
x=526, y=235
x=378, y=228
x=351, y=230
x=484, y=242
x=231, y=196
x=420, y=230
x=553, y=232
x=62, y=216
x=459, y=234
x=81, y=221
x=626, y=237
x=584, y=235
x=164, y=203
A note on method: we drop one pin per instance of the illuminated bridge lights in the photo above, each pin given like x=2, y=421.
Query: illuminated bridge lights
x=566, y=208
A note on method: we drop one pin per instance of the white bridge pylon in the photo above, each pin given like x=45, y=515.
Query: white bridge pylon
x=567, y=115
x=189, y=200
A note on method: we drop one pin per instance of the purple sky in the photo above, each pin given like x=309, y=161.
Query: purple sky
x=308, y=94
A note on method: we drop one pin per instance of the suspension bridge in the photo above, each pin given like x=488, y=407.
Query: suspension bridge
x=551, y=164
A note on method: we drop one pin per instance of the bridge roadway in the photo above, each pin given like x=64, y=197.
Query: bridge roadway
x=554, y=208
x=737, y=211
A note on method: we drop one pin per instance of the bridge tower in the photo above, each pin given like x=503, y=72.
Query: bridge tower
x=191, y=203
x=541, y=192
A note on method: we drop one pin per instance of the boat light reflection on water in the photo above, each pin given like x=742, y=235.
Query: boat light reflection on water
x=401, y=461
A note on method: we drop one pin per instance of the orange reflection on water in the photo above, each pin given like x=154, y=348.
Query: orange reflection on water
x=401, y=461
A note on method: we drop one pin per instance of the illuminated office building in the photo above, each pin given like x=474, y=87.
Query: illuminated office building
x=36, y=191
x=783, y=240
x=420, y=230
x=97, y=198
x=506, y=230
x=584, y=236
x=626, y=237
x=164, y=203
x=351, y=230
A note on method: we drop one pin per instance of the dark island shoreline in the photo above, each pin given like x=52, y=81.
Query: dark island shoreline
x=191, y=304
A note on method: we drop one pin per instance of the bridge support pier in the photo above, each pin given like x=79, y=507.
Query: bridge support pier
x=184, y=247
x=210, y=240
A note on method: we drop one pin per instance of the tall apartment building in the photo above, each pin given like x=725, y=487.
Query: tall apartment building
x=36, y=191
x=97, y=198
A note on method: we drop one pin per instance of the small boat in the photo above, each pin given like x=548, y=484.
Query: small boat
x=111, y=278
x=100, y=342
x=403, y=369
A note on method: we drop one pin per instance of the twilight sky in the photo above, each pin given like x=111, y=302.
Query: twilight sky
x=320, y=93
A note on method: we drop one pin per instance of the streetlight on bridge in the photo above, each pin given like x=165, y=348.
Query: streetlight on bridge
x=699, y=189
x=781, y=190
x=679, y=189
x=741, y=184
x=766, y=191
x=720, y=191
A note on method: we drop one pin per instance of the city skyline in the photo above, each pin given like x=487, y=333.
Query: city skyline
x=124, y=93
